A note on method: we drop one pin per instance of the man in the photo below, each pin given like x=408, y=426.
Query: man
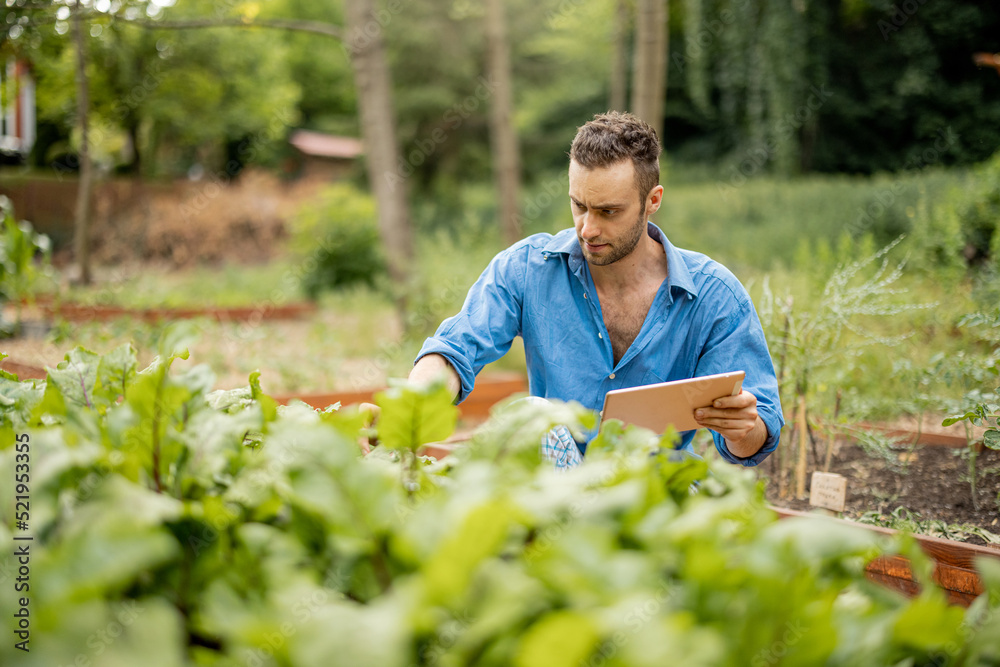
x=612, y=304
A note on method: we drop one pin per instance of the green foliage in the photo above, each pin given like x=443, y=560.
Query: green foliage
x=817, y=339
x=338, y=238
x=166, y=534
x=966, y=222
x=971, y=373
x=161, y=101
x=854, y=87
x=727, y=221
x=743, y=77
x=878, y=445
x=317, y=64
x=20, y=275
x=903, y=519
x=413, y=416
x=939, y=238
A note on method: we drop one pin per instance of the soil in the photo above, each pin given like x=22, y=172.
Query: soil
x=931, y=481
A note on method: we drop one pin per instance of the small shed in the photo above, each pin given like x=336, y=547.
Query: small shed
x=325, y=156
x=17, y=108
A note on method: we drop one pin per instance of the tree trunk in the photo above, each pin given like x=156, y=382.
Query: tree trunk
x=135, y=157
x=378, y=128
x=649, y=85
x=81, y=227
x=506, y=158
x=619, y=65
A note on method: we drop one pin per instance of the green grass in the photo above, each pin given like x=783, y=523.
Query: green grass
x=762, y=224
x=229, y=285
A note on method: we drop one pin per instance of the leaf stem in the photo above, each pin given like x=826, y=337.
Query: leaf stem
x=156, y=434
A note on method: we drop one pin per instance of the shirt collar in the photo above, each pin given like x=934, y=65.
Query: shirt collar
x=679, y=277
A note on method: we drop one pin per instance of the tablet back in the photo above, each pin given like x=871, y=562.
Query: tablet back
x=657, y=406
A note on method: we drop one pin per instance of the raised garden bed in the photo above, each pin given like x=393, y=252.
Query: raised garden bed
x=929, y=480
x=22, y=371
x=954, y=563
x=266, y=311
x=489, y=390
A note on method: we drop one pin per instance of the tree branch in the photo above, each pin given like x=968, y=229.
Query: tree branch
x=316, y=27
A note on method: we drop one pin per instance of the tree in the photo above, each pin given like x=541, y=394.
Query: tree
x=506, y=157
x=373, y=83
x=378, y=125
x=81, y=226
x=619, y=58
x=650, y=61
x=371, y=78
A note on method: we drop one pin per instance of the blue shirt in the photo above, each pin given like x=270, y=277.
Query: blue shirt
x=701, y=322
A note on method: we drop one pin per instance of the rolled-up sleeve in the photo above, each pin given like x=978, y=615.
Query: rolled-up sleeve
x=490, y=319
x=737, y=343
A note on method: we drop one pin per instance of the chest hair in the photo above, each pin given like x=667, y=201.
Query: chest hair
x=623, y=317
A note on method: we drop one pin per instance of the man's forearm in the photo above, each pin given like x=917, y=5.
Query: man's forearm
x=750, y=444
x=433, y=367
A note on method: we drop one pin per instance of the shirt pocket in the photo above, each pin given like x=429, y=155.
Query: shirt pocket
x=651, y=378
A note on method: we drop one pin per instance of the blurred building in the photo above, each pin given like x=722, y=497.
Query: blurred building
x=17, y=109
x=324, y=156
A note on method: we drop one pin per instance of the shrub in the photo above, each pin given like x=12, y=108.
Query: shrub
x=962, y=230
x=337, y=237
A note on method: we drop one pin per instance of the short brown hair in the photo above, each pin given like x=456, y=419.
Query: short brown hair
x=615, y=136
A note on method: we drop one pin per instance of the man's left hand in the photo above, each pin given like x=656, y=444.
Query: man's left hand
x=735, y=419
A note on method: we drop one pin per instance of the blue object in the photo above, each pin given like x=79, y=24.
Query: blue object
x=701, y=322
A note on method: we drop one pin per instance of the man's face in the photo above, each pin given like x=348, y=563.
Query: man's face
x=607, y=213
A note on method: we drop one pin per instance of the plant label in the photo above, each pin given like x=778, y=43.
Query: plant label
x=828, y=490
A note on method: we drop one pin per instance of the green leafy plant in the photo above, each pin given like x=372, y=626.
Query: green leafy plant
x=176, y=525
x=980, y=409
x=971, y=373
x=19, y=274
x=904, y=519
x=975, y=208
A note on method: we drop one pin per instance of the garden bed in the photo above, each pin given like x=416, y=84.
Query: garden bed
x=954, y=565
x=74, y=312
x=489, y=390
x=929, y=481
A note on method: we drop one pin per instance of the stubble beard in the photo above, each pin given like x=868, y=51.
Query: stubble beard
x=620, y=249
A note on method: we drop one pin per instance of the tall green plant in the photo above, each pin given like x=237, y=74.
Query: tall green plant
x=978, y=405
x=815, y=339
x=981, y=409
x=19, y=273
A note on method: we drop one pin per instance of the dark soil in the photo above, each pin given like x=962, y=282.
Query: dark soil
x=930, y=481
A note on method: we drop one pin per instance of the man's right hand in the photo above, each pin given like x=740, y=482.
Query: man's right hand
x=428, y=369
x=371, y=412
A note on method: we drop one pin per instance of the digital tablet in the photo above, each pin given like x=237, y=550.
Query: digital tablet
x=657, y=406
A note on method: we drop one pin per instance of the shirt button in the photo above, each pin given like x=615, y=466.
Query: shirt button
x=600, y=335
x=584, y=295
x=611, y=377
